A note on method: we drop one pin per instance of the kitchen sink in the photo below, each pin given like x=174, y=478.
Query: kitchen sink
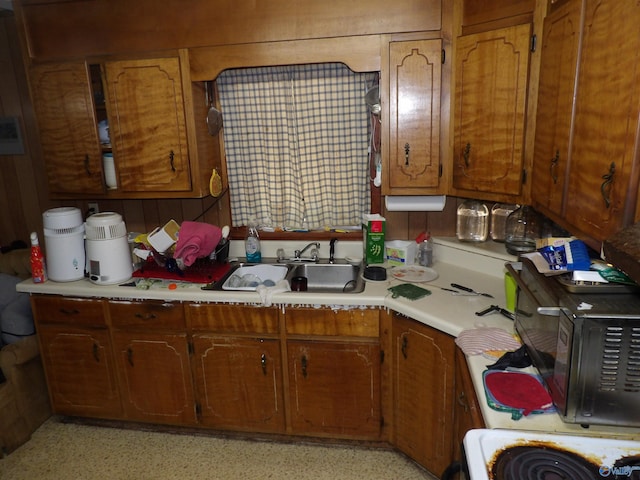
x=329, y=277
x=321, y=277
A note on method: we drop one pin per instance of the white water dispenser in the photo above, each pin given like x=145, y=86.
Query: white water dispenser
x=108, y=255
x=64, y=243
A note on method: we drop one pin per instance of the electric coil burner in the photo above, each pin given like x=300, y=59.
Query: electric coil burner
x=518, y=455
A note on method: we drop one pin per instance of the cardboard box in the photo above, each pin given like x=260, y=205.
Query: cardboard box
x=373, y=228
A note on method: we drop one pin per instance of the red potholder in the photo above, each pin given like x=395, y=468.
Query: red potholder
x=517, y=390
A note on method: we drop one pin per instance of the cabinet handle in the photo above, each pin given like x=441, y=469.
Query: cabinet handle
x=605, y=188
x=96, y=352
x=554, y=166
x=407, y=148
x=171, y=157
x=263, y=362
x=86, y=165
x=466, y=154
x=405, y=345
x=145, y=316
x=462, y=401
x=130, y=356
x=303, y=362
x=73, y=311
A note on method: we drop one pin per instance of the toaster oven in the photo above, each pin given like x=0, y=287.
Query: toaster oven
x=585, y=345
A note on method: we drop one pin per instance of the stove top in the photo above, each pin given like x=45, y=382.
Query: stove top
x=520, y=455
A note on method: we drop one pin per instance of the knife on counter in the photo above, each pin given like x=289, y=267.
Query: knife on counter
x=470, y=290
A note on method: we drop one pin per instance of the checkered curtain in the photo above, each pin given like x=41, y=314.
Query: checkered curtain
x=296, y=140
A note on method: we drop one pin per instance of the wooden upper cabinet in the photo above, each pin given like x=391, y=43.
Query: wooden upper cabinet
x=103, y=27
x=413, y=163
x=603, y=178
x=147, y=124
x=489, y=117
x=559, y=57
x=63, y=103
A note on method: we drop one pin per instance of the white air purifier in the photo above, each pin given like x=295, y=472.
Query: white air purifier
x=108, y=255
x=64, y=244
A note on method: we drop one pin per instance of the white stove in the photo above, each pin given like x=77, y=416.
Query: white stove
x=521, y=455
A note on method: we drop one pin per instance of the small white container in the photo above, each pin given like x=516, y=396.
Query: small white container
x=109, y=171
x=400, y=252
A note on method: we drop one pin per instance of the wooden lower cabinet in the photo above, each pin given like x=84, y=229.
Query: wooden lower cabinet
x=239, y=382
x=155, y=378
x=153, y=361
x=77, y=356
x=299, y=371
x=467, y=414
x=80, y=371
x=334, y=388
x=423, y=386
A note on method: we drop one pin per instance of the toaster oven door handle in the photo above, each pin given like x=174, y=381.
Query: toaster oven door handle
x=549, y=311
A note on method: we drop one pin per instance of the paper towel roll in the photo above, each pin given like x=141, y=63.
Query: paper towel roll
x=415, y=203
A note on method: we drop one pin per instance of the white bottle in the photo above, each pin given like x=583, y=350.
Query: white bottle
x=252, y=244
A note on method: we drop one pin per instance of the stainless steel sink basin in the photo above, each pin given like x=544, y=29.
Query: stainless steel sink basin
x=329, y=277
x=322, y=277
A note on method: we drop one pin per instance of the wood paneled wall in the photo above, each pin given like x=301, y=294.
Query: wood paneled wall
x=23, y=189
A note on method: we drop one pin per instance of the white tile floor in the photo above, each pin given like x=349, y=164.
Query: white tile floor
x=70, y=451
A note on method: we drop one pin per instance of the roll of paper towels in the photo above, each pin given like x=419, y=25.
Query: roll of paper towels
x=415, y=203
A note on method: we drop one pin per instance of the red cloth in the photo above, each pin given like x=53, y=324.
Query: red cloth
x=518, y=390
x=196, y=240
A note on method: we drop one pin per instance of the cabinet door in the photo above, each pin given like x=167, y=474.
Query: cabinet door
x=423, y=393
x=602, y=189
x=147, y=125
x=467, y=414
x=239, y=382
x=559, y=57
x=155, y=377
x=63, y=103
x=334, y=388
x=79, y=368
x=490, y=103
x=414, y=117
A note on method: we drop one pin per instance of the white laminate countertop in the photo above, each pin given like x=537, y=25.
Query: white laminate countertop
x=478, y=266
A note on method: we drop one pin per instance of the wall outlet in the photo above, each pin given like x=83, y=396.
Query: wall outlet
x=93, y=208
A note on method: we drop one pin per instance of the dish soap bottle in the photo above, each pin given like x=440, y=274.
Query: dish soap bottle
x=252, y=244
x=38, y=267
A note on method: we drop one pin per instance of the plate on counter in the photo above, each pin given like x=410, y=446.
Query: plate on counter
x=414, y=273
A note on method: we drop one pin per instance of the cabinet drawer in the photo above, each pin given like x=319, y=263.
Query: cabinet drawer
x=75, y=311
x=356, y=323
x=233, y=319
x=147, y=314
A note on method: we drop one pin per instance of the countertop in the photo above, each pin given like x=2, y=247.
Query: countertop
x=479, y=266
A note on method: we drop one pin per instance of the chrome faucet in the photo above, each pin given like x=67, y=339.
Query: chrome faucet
x=297, y=254
x=332, y=249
